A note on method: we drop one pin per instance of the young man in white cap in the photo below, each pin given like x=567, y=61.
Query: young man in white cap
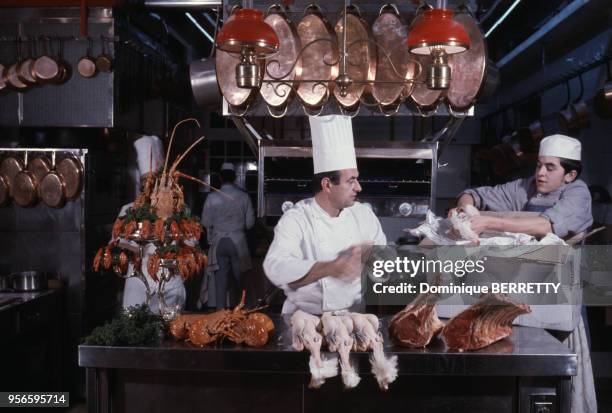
x=562, y=201
x=226, y=216
x=150, y=156
x=316, y=253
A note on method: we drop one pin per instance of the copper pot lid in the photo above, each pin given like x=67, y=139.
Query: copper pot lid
x=319, y=60
x=39, y=166
x=393, y=64
x=10, y=167
x=5, y=191
x=281, y=65
x=71, y=172
x=52, y=189
x=467, y=68
x=24, y=189
x=360, y=58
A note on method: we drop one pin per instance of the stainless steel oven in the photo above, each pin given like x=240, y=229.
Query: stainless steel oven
x=398, y=180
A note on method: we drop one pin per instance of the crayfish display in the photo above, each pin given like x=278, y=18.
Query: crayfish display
x=158, y=217
x=238, y=325
x=188, y=260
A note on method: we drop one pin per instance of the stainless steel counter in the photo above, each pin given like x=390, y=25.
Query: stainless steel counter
x=503, y=376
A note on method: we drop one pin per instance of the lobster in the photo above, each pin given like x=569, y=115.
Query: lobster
x=238, y=325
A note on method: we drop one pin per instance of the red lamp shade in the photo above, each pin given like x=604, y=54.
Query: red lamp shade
x=437, y=28
x=246, y=27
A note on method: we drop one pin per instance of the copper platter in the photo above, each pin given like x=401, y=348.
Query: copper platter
x=71, y=172
x=5, y=191
x=281, y=65
x=39, y=166
x=319, y=59
x=10, y=167
x=238, y=98
x=360, y=57
x=468, y=68
x=394, y=61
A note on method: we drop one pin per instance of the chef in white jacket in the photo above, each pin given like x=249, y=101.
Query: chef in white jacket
x=149, y=151
x=315, y=256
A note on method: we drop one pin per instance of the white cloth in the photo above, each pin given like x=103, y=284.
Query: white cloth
x=583, y=385
x=135, y=292
x=306, y=234
x=561, y=146
x=226, y=215
x=332, y=143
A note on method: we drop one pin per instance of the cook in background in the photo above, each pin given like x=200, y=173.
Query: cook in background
x=226, y=215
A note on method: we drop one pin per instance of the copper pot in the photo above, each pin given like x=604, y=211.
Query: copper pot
x=11, y=165
x=104, y=61
x=71, y=171
x=5, y=191
x=284, y=65
x=39, y=166
x=24, y=69
x=24, y=189
x=46, y=69
x=87, y=64
x=394, y=64
x=603, y=98
x=469, y=68
x=53, y=188
x=319, y=60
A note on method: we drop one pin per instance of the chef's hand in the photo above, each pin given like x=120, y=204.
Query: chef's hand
x=463, y=200
x=347, y=266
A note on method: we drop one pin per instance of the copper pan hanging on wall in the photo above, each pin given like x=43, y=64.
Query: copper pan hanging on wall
x=238, y=98
x=11, y=165
x=319, y=60
x=285, y=65
x=468, y=69
x=394, y=62
x=5, y=191
x=53, y=187
x=39, y=165
x=71, y=171
x=359, y=62
x=24, y=189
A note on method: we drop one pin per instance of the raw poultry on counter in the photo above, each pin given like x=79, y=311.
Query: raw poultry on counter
x=341, y=332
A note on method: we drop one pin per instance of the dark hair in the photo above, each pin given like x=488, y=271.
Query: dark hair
x=334, y=177
x=227, y=176
x=570, y=165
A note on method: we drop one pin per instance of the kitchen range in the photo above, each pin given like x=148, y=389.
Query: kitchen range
x=306, y=206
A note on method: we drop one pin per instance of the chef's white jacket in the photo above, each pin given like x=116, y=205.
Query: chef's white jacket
x=306, y=234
